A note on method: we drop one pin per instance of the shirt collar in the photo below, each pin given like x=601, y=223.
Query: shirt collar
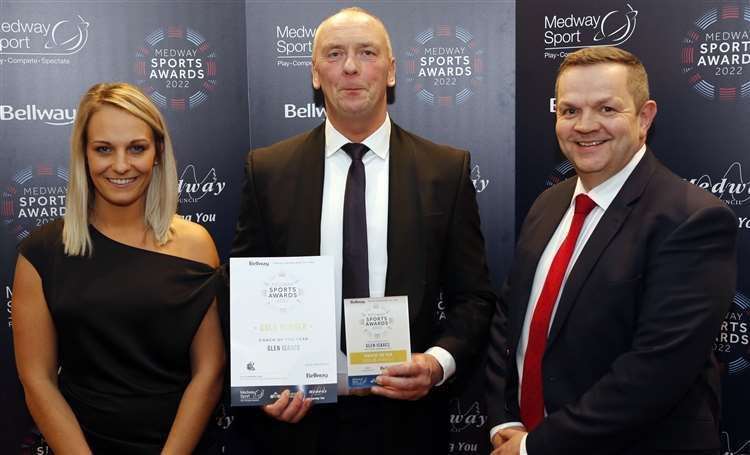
x=604, y=193
x=378, y=142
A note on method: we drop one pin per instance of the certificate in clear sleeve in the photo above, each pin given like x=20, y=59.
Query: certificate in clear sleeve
x=377, y=336
x=282, y=329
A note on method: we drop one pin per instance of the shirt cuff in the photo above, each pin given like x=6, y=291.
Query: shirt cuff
x=445, y=359
x=503, y=426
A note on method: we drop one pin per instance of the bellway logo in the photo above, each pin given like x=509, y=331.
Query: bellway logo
x=31, y=112
x=576, y=31
x=309, y=110
x=28, y=38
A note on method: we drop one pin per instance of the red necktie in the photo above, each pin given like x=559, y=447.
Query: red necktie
x=532, y=397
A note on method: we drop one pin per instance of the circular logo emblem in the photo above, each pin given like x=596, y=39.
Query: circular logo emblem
x=732, y=345
x=35, y=196
x=716, y=53
x=176, y=68
x=617, y=26
x=376, y=321
x=444, y=66
x=34, y=443
x=282, y=292
x=561, y=172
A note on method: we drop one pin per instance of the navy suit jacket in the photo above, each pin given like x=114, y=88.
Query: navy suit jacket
x=628, y=366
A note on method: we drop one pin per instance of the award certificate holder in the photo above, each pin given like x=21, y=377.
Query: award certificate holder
x=282, y=329
x=377, y=336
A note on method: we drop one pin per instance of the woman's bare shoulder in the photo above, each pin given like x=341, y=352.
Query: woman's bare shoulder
x=193, y=241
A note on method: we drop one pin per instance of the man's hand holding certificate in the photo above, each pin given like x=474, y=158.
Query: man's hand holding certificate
x=282, y=329
x=377, y=337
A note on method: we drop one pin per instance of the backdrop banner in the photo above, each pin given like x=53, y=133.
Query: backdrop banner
x=189, y=57
x=229, y=76
x=698, y=59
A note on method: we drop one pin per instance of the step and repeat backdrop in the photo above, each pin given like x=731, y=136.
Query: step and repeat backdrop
x=697, y=54
x=232, y=75
x=229, y=76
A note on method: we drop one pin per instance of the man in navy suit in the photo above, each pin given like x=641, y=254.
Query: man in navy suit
x=602, y=342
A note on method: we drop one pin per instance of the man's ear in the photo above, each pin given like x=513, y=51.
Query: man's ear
x=646, y=116
x=315, y=79
x=392, y=73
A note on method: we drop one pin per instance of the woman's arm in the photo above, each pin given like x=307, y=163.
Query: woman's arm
x=35, y=341
x=207, y=357
x=207, y=361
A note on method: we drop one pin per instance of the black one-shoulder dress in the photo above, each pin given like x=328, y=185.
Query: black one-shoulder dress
x=125, y=319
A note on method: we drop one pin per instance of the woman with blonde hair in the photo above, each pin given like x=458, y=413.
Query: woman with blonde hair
x=117, y=336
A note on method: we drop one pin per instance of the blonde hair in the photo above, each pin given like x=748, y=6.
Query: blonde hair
x=161, y=196
x=637, y=76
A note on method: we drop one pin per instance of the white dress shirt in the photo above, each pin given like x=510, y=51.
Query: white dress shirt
x=336, y=169
x=603, y=195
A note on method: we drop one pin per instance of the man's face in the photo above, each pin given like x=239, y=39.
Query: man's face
x=352, y=66
x=598, y=126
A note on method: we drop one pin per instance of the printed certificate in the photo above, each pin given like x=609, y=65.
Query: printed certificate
x=377, y=336
x=282, y=329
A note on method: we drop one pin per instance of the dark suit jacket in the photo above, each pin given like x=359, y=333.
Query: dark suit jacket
x=434, y=238
x=628, y=366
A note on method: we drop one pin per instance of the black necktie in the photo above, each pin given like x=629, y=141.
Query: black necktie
x=355, y=273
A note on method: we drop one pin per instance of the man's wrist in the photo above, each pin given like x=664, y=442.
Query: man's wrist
x=445, y=360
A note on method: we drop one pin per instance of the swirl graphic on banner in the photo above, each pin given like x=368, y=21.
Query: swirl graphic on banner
x=561, y=172
x=32, y=38
x=583, y=29
x=445, y=66
x=716, y=53
x=732, y=345
x=35, y=196
x=176, y=67
x=726, y=443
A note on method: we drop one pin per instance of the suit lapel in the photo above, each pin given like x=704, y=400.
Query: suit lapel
x=605, y=230
x=304, y=218
x=538, y=232
x=406, y=268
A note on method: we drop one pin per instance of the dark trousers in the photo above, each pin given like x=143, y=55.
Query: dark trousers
x=354, y=425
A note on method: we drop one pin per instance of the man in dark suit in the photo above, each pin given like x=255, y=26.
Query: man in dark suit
x=602, y=342
x=419, y=236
